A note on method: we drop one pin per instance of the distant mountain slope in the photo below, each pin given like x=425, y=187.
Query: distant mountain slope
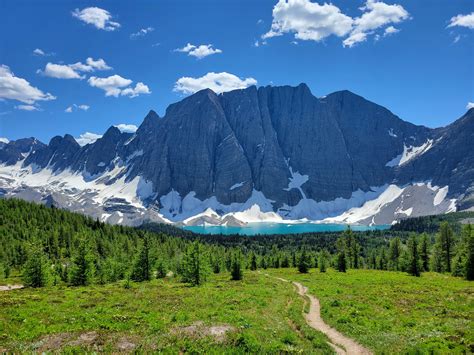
x=280, y=148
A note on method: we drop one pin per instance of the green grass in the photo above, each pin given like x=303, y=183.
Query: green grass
x=264, y=313
x=391, y=312
x=388, y=312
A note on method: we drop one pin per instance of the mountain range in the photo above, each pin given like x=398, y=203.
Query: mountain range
x=275, y=154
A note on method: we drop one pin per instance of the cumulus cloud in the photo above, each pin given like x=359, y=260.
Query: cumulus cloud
x=99, y=18
x=27, y=108
x=39, y=52
x=15, y=88
x=390, y=30
x=142, y=32
x=87, y=138
x=75, y=107
x=308, y=20
x=60, y=71
x=127, y=128
x=115, y=85
x=73, y=71
x=377, y=14
x=217, y=82
x=463, y=21
x=469, y=105
x=311, y=21
x=200, y=51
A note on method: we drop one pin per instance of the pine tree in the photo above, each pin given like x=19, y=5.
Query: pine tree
x=323, y=260
x=82, y=271
x=414, y=258
x=141, y=267
x=236, y=268
x=394, y=253
x=436, y=259
x=253, y=262
x=195, y=266
x=382, y=264
x=446, y=241
x=35, y=271
x=469, y=267
x=303, y=263
x=341, y=261
x=160, y=270
x=424, y=253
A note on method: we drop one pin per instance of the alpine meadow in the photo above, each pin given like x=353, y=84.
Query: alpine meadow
x=237, y=177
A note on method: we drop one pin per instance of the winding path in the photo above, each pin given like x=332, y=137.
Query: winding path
x=339, y=342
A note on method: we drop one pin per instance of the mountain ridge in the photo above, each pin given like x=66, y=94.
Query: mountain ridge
x=281, y=142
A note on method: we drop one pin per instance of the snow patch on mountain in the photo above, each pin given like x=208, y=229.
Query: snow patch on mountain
x=296, y=180
x=236, y=186
x=410, y=153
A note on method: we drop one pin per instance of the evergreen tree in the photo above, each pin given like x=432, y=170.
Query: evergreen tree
x=436, y=260
x=414, y=258
x=285, y=262
x=323, y=259
x=469, y=266
x=424, y=252
x=160, y=270
x=35, y=271
x=303, y=262
x=253, y=262
x=446, y=241
x=195, y=267
x=236, y=267
x=141, y=266
x=382, y=261
x=394, y=253
x=82, y=271
x=341, y=261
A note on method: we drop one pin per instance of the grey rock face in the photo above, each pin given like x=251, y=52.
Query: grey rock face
x=450, y=161
x=227, y=145
x=15, y=151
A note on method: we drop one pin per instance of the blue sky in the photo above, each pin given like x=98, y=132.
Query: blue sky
x=414, y=59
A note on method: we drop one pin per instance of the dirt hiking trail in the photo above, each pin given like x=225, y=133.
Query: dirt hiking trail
x=339, y=342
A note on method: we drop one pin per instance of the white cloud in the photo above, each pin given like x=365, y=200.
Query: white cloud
x=308, y=20
x=312, y=21
x=27, y=108
x=127, y=128
x=75, y=107
x=217, y=82
x=116, y=86
x=140, y=88
x=97, y=17
x=200, y=51
x=87, y=138
x=39, y=52
x=462, y=21
x=390, y=30
x=91, y=65
x=72, y=71
x=60, y=71
x=142, y=32
x=469, y=105
x=15, y=88
x=377, y=14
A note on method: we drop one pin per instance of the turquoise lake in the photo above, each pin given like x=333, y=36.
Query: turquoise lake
x=280, y=228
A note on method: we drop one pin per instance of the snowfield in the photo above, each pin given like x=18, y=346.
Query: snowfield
x=112, y=198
